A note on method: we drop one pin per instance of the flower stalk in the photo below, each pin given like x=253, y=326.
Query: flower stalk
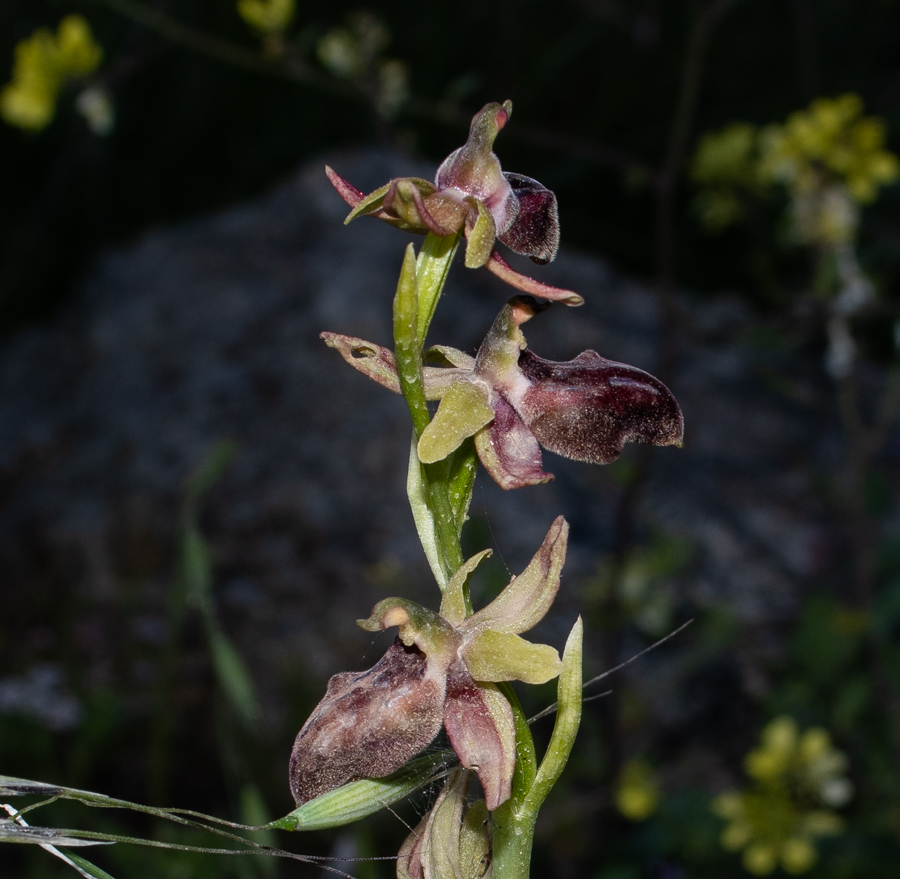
x=452, y=669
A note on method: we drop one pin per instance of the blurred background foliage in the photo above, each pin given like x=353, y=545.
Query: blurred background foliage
x=745, y=146
x=596, y=87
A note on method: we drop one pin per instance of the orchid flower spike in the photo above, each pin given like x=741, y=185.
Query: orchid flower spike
x=471, y=195
x=513, y=402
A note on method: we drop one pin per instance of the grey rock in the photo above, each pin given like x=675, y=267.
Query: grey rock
x=209, y=330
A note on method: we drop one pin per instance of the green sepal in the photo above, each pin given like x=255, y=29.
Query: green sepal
x=462, y=412
x=481, y=237
x=454, y=606
x=497, y=656
x=528, y=597
x=359, y=799
x=373, y=202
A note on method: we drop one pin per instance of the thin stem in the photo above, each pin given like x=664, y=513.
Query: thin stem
x=513, y=823
x=421, y=283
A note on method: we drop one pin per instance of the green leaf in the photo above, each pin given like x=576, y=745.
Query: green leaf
x=365, y=797
x=232, y=675
x=432, y=268
x=255, y=813
x=90, y=869
x=526, y=759
x=219, y=459
x=462, y=412
x=196, y=569
x=12, y=832
x=419, y=502
x=10, y=786
x=568, y=719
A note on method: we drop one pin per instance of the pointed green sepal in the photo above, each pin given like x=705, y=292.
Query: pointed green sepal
x=480, y=237
x=372, y=203
x=463, y=411
x=496, y=656
x=453, y=604
x=527, y=598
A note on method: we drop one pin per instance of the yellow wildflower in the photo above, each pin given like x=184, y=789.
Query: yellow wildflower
x=44, y=62
x=267, y=16
x=637, y=792
x=726, y=168
x=779, y=818
x=831, y=140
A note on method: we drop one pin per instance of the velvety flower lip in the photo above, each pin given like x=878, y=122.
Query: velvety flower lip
x=350, y=735
x=472, y=195
x=441, y=670
x=513, y=402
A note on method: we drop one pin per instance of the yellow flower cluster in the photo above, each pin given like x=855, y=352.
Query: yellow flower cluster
x=355, y=53
x=269, y=17
x=637, y=792
x=44, y=62
x=726, y=168
x=798, y=779
x=830, y=158
x=830, y=142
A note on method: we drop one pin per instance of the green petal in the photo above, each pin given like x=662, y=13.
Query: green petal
x=527, y=598
x=496, y=656
x=453, y=605
x=481, y=237
x=370, y=204
x=463, y=411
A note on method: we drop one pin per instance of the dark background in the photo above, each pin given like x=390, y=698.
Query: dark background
x=610, y=97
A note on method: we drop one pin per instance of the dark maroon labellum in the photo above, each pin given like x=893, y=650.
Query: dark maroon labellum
x=368, y=725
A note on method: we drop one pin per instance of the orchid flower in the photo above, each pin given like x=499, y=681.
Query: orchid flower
x=441, y=670
x=473, y=196
x=513, y=402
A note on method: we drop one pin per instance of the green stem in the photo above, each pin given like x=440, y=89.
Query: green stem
x=513, y=823
x=421, y=283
